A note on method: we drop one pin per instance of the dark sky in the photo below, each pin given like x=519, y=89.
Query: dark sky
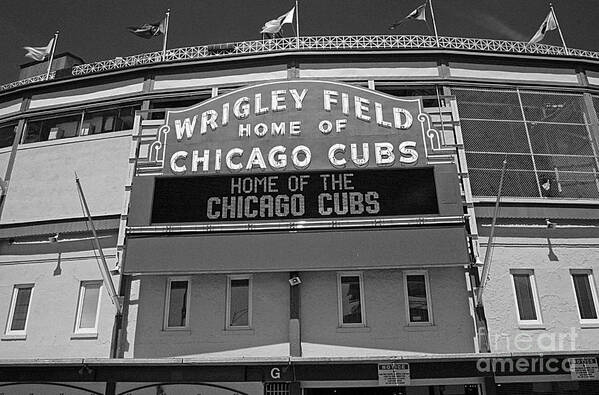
x=95, y=29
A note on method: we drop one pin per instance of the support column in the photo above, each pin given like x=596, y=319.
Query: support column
x=490, y=386
x=294, y=388
x=295, y=340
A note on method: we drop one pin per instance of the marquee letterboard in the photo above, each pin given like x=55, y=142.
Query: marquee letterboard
x=295, y=196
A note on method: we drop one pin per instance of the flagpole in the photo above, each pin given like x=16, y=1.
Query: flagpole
x=434, y=23
x=297, y=23
x=168, y=14
x=52, y=55
x=558, y=28
x=490, y=240
x=103, y=267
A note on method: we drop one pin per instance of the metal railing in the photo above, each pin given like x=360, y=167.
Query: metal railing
x=318, y=43
x=27, y=81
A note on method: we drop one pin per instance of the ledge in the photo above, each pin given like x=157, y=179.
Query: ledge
x=239, y=331
x=13, y=337
x=350, y=329
x=421, y=328
x=93, y=335
x=532, y=326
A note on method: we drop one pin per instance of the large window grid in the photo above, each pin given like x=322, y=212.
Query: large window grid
x=545, y=137
x=80, y=123
x=7, y=134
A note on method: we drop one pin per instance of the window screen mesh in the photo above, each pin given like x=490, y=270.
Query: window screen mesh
x=544, y=136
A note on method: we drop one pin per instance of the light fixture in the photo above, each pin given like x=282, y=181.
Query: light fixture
x=295, y=280
x=116, y=269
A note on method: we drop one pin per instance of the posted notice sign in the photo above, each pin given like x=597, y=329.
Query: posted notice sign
x=583, y=369
x=391, y=374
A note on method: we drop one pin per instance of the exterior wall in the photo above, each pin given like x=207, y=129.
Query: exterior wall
x=206, y=78
x=67, y=96
x=4, y=158
x=10, y=107
x=551, y=259
x=53, y=305
x=514, y=73
x=452, y=332
x=43, y=186
x=207, y=333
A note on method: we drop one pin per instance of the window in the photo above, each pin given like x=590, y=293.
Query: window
x=417, y=297
x=351, y=299
x=87, y=307
x=586, y=295
x=19, y=310
x=108, y=120
x=430, y=94
x=174, y=103
x=52, y=128
x=81, y=123
x=527, y=301
x=239, y=302
x=177, y=303
x=7, y=135
x=545, y=135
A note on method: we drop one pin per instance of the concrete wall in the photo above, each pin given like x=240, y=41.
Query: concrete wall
x=4, y=158
x=384, y=301
x=551, y=259
x=43, y=186
x=207, y=318
x=453, y=330
x=53, y=306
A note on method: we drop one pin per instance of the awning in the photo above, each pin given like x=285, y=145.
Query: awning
x=61, y=227
x=293, y=251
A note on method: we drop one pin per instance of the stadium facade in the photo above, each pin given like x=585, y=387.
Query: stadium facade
x=312, y=216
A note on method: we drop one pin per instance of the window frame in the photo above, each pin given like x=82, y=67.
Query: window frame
x=167, y=299
x=6, y=125
x=90, y=111
x=80, y=299
x=535, y=296
x=230, y=278
x=594, y=297
x=11, y=311
x=341, y=324
x=34, y=119
x=429, y=304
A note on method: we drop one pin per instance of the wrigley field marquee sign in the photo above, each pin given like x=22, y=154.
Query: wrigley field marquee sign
x=292, y=150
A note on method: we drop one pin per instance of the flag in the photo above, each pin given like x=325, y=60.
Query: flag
x=419, y=14
x=548, y=24
x=149, y=30
x=274, y=26
x=39, y=53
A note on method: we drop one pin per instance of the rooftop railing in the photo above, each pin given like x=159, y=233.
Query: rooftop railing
x=316, y=43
